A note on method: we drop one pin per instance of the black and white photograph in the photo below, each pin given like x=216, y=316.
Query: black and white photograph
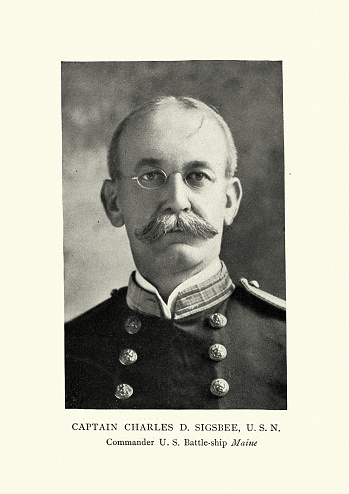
x=173, y=196
x=174, y=247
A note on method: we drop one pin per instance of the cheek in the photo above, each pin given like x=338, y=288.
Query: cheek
x=211, y=207
x=216, y=218
x=136, y=209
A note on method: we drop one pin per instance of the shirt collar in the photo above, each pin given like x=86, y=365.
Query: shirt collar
x=168, y=308
x=204, y=290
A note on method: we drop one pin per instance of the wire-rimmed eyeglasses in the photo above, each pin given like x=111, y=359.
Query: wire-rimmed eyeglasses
x=157, y=178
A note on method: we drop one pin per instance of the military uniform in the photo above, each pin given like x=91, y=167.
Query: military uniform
x=224, y=348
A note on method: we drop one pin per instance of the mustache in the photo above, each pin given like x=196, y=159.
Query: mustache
x=161, y=224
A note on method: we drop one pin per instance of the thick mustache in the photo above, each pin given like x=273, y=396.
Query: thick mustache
x=163, y=223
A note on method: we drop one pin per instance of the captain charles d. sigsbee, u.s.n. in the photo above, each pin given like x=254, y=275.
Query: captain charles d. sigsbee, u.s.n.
x=182, y=335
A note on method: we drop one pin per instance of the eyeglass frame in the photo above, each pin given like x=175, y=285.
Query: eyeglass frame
x=184, y=178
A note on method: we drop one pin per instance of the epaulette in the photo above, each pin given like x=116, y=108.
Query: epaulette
x=253, y=288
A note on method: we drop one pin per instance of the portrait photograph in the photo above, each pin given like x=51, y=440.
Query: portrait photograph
x=173, y=199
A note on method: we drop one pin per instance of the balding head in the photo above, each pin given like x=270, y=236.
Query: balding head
x=167, y=103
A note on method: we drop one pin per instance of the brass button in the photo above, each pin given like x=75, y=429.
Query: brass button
x=128, y=356
x=217, y=320
x=254, y=283
x=217, y=352
x=219, y=387
x=123, y=391
x=133, y=324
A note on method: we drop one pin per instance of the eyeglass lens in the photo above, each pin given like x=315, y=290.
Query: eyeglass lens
x=157, y=178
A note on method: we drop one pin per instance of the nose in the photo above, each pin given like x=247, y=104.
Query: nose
x=175, y=194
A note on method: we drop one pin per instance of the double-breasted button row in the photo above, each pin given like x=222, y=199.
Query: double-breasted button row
x=128, y=356
x=217, y=352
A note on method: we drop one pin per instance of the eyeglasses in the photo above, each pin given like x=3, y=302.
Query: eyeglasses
x=157, y=178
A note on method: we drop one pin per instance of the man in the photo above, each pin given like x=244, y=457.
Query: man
x=181, y=335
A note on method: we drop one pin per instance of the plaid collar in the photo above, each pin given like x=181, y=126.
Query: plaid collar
x=189, y=301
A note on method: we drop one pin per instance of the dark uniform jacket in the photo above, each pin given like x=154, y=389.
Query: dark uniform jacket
x=224, y=348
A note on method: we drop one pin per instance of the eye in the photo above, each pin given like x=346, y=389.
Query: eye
x=152, y=179
x=150, y=176
x=199, y=180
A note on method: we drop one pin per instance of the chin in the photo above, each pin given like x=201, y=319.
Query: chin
x=185, y=255
x=176, y=251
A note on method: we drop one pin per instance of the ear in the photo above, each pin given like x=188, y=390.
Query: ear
x=234, y=195
x=110, y=202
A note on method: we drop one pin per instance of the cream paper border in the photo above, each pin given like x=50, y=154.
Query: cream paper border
x=41, y=453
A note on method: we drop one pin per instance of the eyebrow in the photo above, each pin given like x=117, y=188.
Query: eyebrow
x=158, y=164
x=147, y=162
x=197, y=163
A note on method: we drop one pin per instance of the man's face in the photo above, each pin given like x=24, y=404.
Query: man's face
x=177, y=141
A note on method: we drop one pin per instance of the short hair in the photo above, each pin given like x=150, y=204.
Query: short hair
x=164, y=102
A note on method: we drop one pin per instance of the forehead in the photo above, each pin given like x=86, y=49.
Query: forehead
x=175, y=135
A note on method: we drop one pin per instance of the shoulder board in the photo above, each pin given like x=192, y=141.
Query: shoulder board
x=267, y=297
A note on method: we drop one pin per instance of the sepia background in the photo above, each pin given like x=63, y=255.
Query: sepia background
x=96, y=96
